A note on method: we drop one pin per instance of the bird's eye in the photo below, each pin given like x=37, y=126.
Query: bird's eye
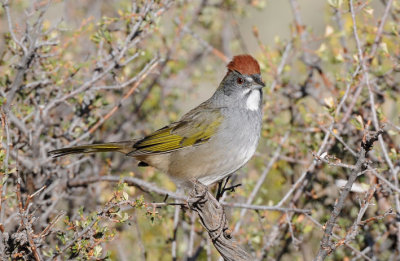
x=240, y=80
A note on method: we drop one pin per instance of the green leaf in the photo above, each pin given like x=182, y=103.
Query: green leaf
x=125, y=195
x=97, y=251
x=335, y=3
x=357, y=122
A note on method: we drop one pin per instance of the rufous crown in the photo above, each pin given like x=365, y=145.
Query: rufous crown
x=244, y=64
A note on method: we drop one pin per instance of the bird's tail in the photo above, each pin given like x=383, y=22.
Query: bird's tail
x=122, y=146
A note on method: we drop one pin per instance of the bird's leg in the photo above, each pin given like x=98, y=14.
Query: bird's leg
x=165, y=198
x=222, y=188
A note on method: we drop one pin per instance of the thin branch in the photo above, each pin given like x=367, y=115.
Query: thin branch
x=192, y=236
x=378, y=36
x=295, y=241
x=6, y=6
x=326, y=245
x=270, y=208
x=142, y=76
x=47, y=230
x=204, y=43
x=324, y=158
x=341, y=141
x=150, y=187
x=359, y=253
x=25, y=223
x=281, y=66
x=375, y=120
x=4, y=176
x=175, y=230
x=354, y=230
x=382, y=178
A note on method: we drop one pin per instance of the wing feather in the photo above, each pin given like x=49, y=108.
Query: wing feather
x=195, y=128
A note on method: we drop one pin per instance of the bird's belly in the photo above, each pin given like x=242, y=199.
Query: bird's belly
x=210, y=162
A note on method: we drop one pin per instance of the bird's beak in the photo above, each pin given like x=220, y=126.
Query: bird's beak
x=258, y=84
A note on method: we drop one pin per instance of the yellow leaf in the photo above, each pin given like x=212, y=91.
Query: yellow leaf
x=355, y=57
x=339, y=57
x=125, y=195
x=321, y=48
x=335, y=3
x=46, y=25
x=360, y=120
x=369, y=10
x=54, y=34
x=384, y=48
x=328, y=30
x=329, y=102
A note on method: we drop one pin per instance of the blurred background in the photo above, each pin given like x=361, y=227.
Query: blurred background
x=76, y=72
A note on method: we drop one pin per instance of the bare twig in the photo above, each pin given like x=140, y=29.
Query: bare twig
x=382, y=178
x=145, y=72
x=130, y=181
x=174, y=244
x=337, y=237
x=25, y=223
x=279, y=70
x=192, y=236
x=270, y=208
x=375, y=120
x=378, y=35
x=325, y=159
x=206, y=45
x=326, y=245
x=4, y=176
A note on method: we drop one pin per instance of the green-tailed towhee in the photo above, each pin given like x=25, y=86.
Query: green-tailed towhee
x=211, y=141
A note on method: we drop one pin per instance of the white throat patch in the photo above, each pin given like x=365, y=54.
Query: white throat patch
x=253, y=100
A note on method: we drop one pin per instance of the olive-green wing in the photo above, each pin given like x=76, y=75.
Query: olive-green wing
x=195, y=128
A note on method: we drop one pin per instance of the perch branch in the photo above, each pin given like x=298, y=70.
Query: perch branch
x=213, y=219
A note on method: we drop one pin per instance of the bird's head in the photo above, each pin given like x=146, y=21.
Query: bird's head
x=243, y=83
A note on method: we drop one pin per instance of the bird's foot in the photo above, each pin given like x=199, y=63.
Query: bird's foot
x=222, y=188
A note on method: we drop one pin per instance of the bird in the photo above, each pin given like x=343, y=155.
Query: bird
x=211, y=141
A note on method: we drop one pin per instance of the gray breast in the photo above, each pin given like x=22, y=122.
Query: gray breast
x=235, y=143
x=229, y=149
